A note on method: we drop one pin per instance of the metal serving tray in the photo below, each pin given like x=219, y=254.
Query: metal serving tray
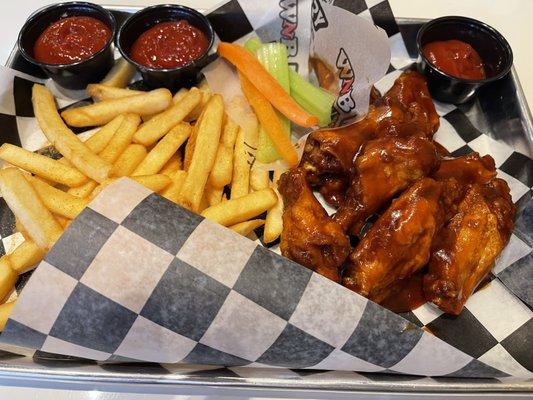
x=512, y=124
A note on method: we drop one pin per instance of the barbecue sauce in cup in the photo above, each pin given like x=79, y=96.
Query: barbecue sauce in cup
x=455, y=58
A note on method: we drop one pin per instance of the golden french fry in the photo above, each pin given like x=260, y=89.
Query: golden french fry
x=213, y=195
x=163, y=150
x=274, y=218
x=195, y=113
x=100, y=92
x=8, y=277
x=205, y=150
x=57, y=201
x=240, y=183
x=129, y=160
x=63, y=139
x=223, y=169
x=155, y=182
x=189, y=147
x=27, y=206
x=121, y=139
x=172, y=191
x=84, y=190
x=99, y=140
x=21, y=229
x=154, y=129
x=42, y=166
x=180, y=94
x=5, y=312
x=233, y=211
x=120, y=75
x=259, y=179
x=25, y=257
x=64, y=222
x=172, y=165
x=246, y=227
x=104, y=111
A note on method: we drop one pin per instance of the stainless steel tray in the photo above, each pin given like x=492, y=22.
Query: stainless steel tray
x=512, y=124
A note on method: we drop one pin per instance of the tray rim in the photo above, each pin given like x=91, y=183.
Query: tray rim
x=416, y=385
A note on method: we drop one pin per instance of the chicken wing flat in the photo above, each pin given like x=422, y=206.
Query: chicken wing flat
x=467, y=246
x=398, y=244
x=384, y=168
x=458, y=174
x=310, y=237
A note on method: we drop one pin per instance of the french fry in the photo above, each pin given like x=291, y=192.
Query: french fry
x=156, y=182
x=203, y=158
x=27, y=206
x=21, y=229
x=274, y=218
x=8, y=277
x=259, y=179
x=57, y=201
x=240, y=183
x=25, y=257
x=154, y=129
x=213, y=195
x=63, y=139
x=223, y=169
x=163, y=150
x=172, y=165
x=100, y=92
x=121, y=139
x=195, y=113
x=172, y=191
x=129, y=160
x=246, y=227
x=5, y=312
x=104, y=111
x=120, y=75
x=233, y=211
x=84, y=190
x=99, y=140
x=42, y=166
x=189, y=147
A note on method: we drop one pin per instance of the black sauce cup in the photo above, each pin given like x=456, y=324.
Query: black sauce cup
x=75, y=75
x=140, y=22
x=492, y=47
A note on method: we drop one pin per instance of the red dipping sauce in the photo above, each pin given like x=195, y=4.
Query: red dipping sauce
x=169, y=45
x=70, y=40
x=455, y=58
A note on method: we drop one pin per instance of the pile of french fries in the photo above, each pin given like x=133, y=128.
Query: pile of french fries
x=183, y=147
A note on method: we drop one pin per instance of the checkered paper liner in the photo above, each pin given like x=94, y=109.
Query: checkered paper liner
x=492, y=337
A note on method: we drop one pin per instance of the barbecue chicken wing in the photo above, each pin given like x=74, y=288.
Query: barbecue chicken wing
x=465, y=249
x=310, y=237
x=384, y=168
x=398, y=244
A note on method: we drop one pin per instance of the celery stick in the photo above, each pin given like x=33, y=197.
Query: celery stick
x=313, y=99
x=273, y=56
x=253, y=44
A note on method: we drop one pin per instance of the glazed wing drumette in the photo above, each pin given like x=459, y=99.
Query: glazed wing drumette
x=384, y=168
x=398, y=244
x=310, y=237
x=410, y=94
x=467, y=246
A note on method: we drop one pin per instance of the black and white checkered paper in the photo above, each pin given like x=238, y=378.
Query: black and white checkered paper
x=136, y=278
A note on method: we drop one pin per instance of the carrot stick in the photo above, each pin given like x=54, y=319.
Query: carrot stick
x=250, y=67
x=270, y=121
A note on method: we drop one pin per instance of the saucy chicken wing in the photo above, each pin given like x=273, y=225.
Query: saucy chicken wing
x=310, y=237
x=465, y=249
x=384, y=168
x=398, y=244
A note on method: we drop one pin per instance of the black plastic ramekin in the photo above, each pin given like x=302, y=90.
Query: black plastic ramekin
x=140, y=22
x=494, y=50
x=79, y=74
